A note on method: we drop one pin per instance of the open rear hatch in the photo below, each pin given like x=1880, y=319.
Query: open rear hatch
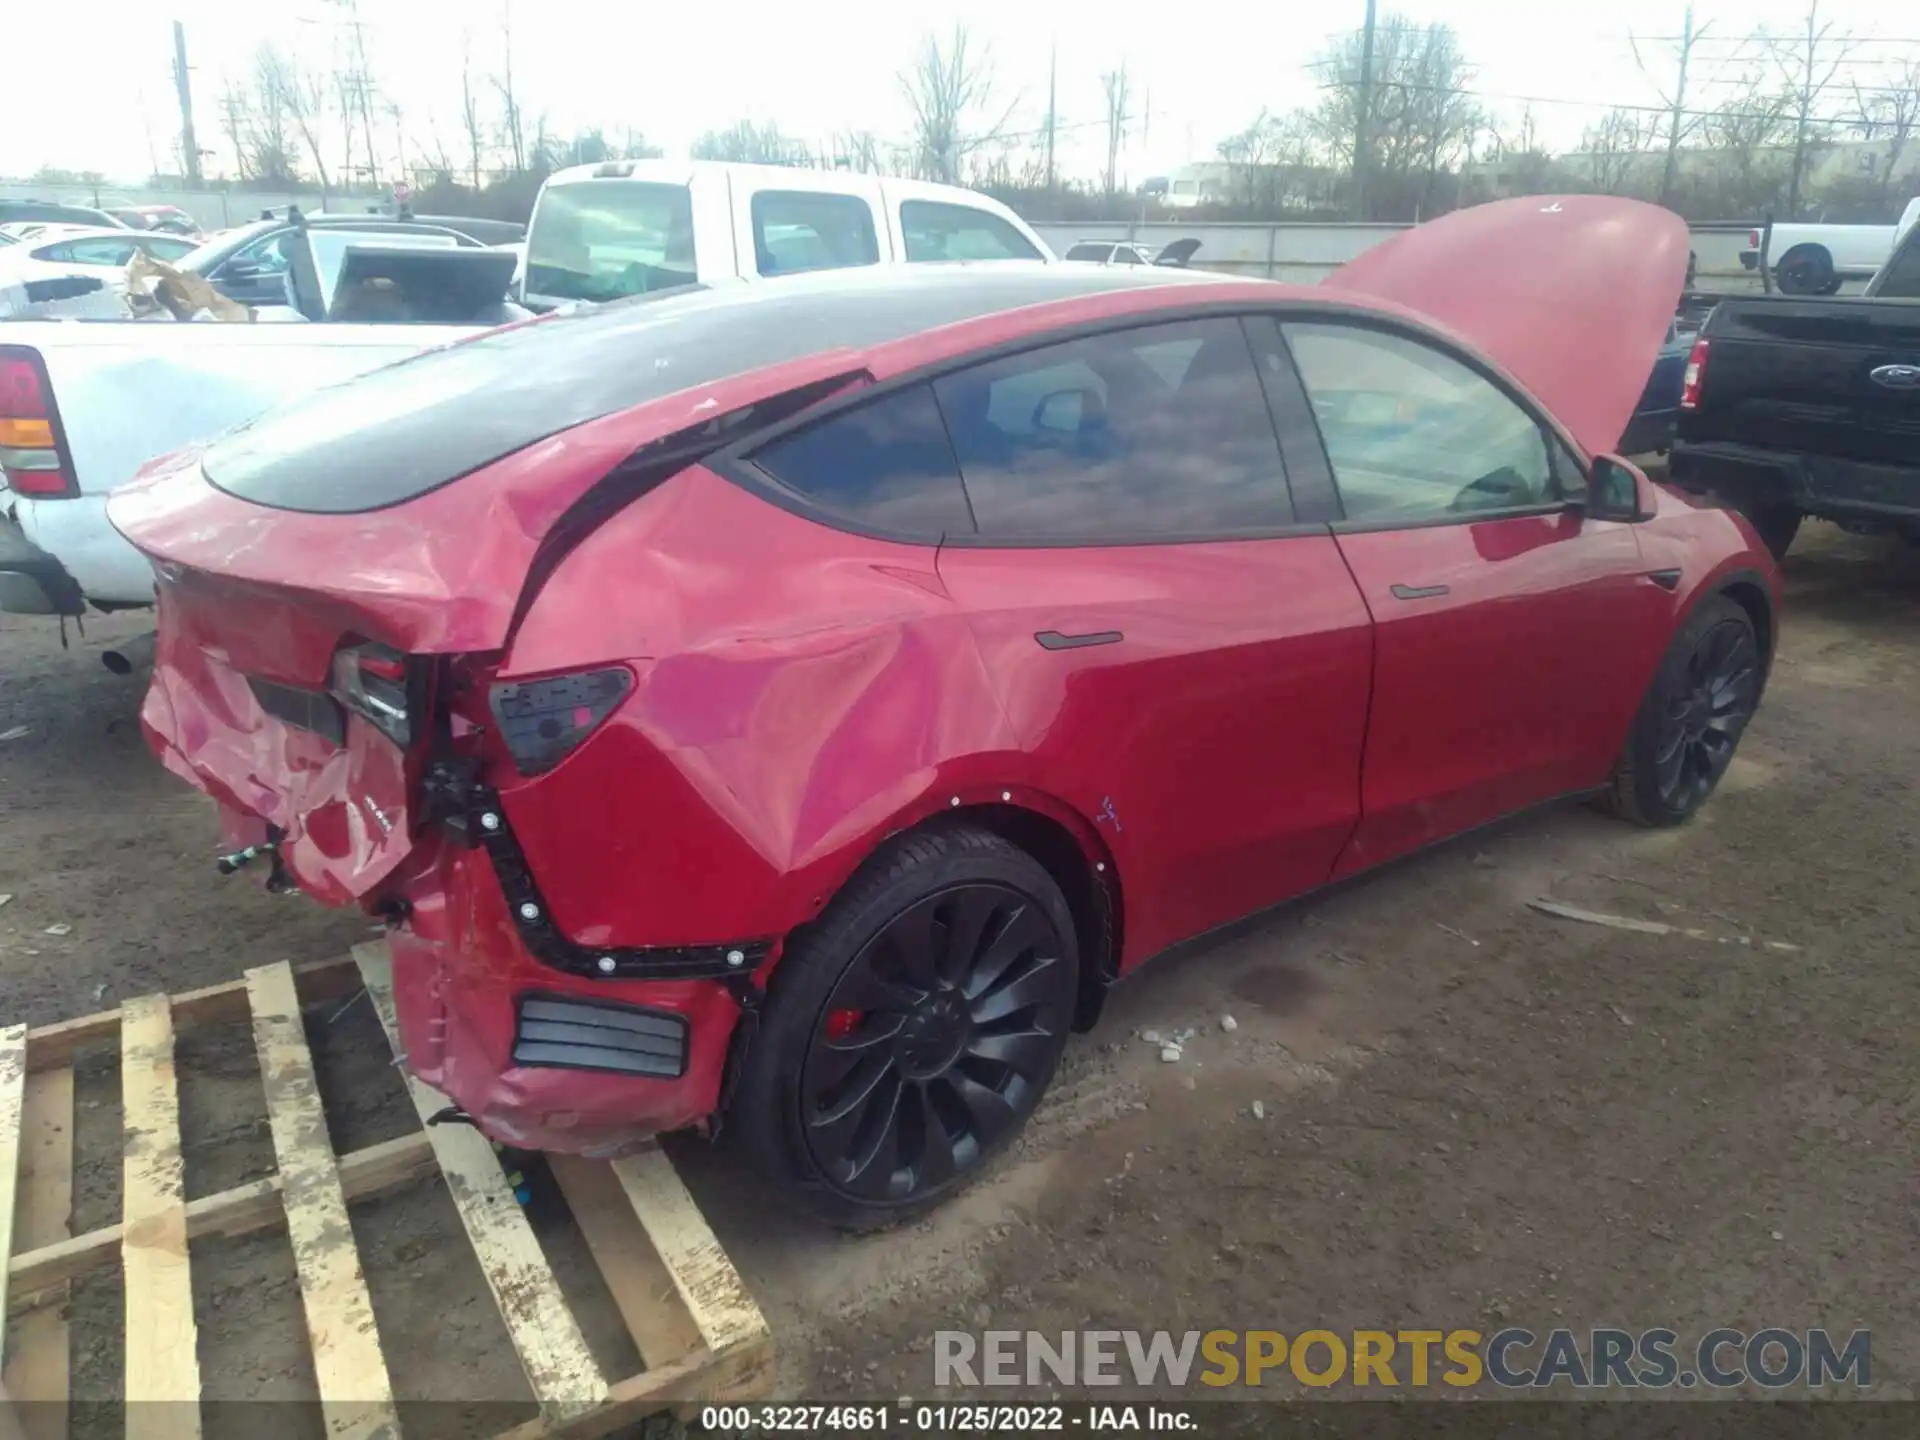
x=1573, y=295
x=327, y=574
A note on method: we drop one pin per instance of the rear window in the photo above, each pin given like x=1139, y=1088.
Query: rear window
x=1900, y=279
x=608, y=239
x=936, y=231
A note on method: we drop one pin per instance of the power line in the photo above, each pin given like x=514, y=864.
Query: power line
x=1563, y=100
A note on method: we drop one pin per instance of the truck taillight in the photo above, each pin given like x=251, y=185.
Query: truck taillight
x=541, y=720
x=33, y=451
x=1695, y=374
x=1753, y=239
x=371, y=681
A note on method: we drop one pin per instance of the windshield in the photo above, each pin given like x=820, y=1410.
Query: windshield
x=607, y=239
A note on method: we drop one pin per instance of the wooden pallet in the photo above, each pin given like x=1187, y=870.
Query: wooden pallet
x=698, y=1332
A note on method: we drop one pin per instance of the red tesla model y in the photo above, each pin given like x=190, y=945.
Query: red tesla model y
x=791, y=706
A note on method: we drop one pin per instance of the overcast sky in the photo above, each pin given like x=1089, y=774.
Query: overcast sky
x=98, y=91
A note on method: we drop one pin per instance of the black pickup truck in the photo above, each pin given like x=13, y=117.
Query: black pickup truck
x=1796, y=406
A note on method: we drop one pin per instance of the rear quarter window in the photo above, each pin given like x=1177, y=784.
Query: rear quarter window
x=886, y=466
x=607, y=239
x=939, y=231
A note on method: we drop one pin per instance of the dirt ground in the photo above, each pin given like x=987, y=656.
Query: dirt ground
x=1474, y=1114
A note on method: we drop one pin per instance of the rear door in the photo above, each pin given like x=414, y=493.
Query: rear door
x=1180, y=659
x=1510, y=630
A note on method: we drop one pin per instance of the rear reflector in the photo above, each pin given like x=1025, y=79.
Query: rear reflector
x=541, y=720
x=1696, y=374
x=587, y=1035
x=33, y=452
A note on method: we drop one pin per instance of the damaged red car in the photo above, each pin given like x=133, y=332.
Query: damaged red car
x=792, y=706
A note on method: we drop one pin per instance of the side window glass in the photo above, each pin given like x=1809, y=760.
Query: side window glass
x=937, y=231
x=796, y=230
x=103, y=251
x=269, y=252
x=886, y=464
x=1155, y=432
x=1413, y=434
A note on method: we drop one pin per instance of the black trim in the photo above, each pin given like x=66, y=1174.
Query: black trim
x=1463, y=517
x=1665, y=579
x=1054, y=640
x=735, y=463
x=313, y=710
x=471, y=810
x=565, y=1032
x=1419, y=592
x=1309, y=478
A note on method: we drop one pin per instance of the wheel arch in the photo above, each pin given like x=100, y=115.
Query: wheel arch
x=1750, y=593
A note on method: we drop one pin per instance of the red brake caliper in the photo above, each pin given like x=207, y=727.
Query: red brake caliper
x=842, y=1023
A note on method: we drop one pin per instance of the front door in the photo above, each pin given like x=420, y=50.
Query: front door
x=1509, y=649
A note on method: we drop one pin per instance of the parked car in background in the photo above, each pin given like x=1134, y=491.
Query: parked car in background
x=1126, y=252
x=630, y=227
x=1799, y=406
x=168, y=219
x=250, y=264
x=1812, y=259
x=715, y=693
x=1651, y=429
x=64, y=249
x=54, y=212
x=85, y=404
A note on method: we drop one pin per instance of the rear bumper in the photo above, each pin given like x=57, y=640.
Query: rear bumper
x=32, y=582
x=1749, y=259
x=541, y=1059
x=1817, y=484
x=101, y=563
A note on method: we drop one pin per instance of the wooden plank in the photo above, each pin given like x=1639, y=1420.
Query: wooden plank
x=659, y=1322
x=13, y=1097
x=162, y=1360
x=38, y=1354
x=743, y=1374
x=712, y=1289
x=52, y=1046
x=552, y=1350
x=38, y=1274
x=356, y=1397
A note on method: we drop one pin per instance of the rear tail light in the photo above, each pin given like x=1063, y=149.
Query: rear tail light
x=33, y=450
x=1753, y=239
x=541, y=720
x=371, y=681
x=1696, y=373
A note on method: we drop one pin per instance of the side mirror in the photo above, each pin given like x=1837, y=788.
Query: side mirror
x=1619, y=490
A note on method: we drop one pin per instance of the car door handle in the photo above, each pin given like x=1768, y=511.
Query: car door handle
x=1418, y=592
x=1054, y=640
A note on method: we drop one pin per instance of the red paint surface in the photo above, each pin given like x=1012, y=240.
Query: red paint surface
x=1271, y=719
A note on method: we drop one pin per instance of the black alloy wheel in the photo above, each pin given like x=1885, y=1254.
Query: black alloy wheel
x=1692, y=717
x=936, y=1041
x=1706, y=713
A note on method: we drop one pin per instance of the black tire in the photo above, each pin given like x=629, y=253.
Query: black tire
x=908, y=950
x=1776, y=522
x=1691, y=718
x=1805, y=270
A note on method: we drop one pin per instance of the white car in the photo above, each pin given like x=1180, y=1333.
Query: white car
x=47, y=252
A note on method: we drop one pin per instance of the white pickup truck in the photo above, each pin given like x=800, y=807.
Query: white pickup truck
x=83, y=404
x=1815, y=259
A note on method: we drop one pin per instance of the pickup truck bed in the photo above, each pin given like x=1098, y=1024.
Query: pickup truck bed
x=1806, y=407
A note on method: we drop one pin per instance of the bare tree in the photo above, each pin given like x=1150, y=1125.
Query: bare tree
x=1681, y=123
x=1113, y=89
x=1423, y=115
x=758, y=144
x=356, y=83
x=512, y=119
x=470, y=109
x=1746, y=130
x=302, y=98
x=1809, y=63
x=1614, y=146
x=235, y=122
x=946, y=88
x=1274, y=159
x=1891, y=113
x=859, y=150
x=272, y=158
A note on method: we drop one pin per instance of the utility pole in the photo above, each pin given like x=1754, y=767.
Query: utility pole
x=1363, y=121
x=1053, y=66
x=1667, y=175
x=189, y=146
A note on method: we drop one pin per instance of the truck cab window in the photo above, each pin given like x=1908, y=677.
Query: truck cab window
x=607, y=239
x=937, y=231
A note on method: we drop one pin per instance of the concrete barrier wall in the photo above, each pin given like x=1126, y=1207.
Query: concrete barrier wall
x=1304, y=253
